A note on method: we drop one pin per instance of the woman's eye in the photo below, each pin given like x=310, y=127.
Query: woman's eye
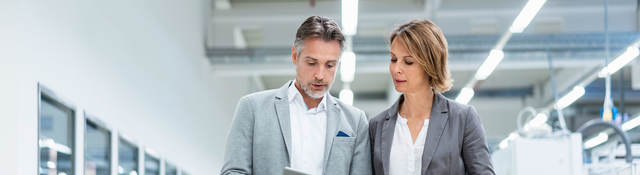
x=394, y=60
x=408, y=62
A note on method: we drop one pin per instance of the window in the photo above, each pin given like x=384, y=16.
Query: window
x=127, y=158
x=170, y=169
x=55, y=137
x=97, y=149
x=151, y=165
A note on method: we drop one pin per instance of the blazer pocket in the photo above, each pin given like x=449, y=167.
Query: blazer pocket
x=344, y=139
x=342, y=148
x=341, y=155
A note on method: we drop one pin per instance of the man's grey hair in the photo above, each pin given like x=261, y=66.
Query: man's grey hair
x=318, y=27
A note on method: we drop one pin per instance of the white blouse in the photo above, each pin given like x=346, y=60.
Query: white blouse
x=406, y=156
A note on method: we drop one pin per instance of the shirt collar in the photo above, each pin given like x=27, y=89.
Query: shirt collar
x=403, y=121
x=293, y=94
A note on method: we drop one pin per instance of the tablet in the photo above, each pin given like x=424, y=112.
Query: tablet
x=291, y=171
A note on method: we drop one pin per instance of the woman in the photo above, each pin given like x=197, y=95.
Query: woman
x=424, y=132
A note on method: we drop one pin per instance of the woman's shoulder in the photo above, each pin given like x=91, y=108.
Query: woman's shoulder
x=380, y=116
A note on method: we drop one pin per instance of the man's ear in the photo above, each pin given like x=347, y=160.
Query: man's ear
x=294, y=56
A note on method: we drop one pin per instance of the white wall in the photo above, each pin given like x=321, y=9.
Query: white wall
x=498, y=115
x=138, y=65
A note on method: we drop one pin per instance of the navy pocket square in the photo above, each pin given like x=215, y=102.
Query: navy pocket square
x=342, y=134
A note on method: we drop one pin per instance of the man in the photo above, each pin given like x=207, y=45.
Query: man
x=300, y=125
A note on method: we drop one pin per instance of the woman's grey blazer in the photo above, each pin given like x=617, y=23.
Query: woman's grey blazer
x=455, y=142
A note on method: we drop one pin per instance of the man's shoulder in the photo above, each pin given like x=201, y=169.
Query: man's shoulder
x=261, y=95
x=348, y=110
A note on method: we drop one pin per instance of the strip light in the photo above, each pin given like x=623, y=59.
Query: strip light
x=631, y=53
x=349, y=17
x=601, y=138
x=346, y=96
x=347, y=66
x=635, y=122
x=465, y=95
x=489, y=64
x=505, y=142
x=569, y=98
x=538, y=120
x=527, y=14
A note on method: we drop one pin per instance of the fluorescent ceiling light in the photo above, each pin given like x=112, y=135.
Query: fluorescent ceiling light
x=51, y=165
x=346, y=96
x=540, y=119
x=465, y=95
x=349, y=17
x=526, y=15
x=348, y=66
x=569, y=98
x=622, y=60
x=489, y=64
x=626, y=126
x=505, y=142
x=601, y=138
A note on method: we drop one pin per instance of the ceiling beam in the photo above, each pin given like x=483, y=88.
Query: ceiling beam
x=222, y=4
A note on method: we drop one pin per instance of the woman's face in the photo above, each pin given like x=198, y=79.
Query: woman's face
x=408, y=76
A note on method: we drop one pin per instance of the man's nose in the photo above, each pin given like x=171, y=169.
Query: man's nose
x=319, y=75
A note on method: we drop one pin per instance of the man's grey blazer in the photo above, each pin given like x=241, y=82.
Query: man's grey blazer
x=455, y=142
x=259, y=141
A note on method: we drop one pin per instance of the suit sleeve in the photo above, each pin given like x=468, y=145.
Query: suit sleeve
x=239, y=147
x=474, y=146
x=361, y=161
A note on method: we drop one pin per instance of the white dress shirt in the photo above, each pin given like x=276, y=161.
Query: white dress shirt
x=406, y=156
x=308, y=133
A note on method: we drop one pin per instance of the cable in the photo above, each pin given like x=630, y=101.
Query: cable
x=554, y=88
x=625, y=138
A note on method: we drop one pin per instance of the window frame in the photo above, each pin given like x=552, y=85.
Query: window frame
x=101, y=125
x=45, y=94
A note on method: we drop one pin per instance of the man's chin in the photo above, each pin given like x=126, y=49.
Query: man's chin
x=317, y=94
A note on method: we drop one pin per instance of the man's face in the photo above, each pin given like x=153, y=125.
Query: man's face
x=316, y=66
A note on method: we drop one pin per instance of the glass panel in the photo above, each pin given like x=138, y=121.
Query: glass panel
x=151, y=165
x=55, y=138
x=97, y=150
x=185, y=173
x=127, y=158
x=170, y=169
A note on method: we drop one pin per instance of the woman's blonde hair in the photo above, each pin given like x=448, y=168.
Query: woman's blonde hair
x=427, y=45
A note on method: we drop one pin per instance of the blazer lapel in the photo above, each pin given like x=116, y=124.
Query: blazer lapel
x=333, y=121
x=388, y=128
x=282, y=111
x=437, y=123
